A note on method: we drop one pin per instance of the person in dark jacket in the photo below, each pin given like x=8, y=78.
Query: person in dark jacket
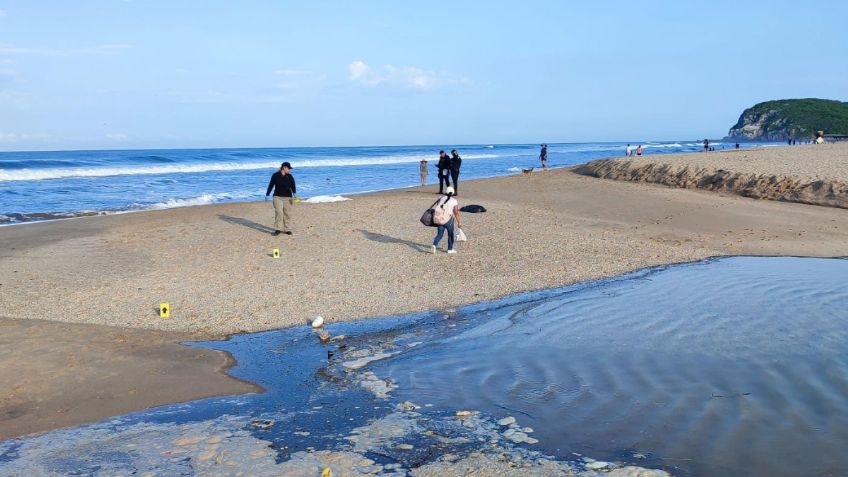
x=282, y=183
x=444, y=171
x=455, y=164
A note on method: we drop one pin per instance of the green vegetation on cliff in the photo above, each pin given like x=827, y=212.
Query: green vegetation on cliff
x=791, y=118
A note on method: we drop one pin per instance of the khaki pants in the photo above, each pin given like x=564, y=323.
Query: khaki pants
x=282, y=213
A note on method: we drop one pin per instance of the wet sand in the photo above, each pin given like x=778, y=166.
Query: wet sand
x=60, y=374
x=347, y=260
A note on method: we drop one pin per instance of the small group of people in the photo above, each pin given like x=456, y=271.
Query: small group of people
x=628, y=151
x=284, y=187
x=447, y=169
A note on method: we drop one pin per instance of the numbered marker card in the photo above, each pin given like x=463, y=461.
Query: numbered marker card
x=164, y=310
x=275, y=253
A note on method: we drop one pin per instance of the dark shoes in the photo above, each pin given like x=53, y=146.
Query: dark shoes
x=287, y=232
x=276, y=232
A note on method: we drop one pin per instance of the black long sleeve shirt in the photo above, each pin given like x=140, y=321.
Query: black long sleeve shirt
x=282, y=185
x=455, y=163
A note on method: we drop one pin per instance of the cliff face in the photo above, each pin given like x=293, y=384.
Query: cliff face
x=790, y=119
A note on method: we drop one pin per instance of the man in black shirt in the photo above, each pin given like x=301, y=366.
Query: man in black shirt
x=444, y=171
x=455, y=164
x=282, y=183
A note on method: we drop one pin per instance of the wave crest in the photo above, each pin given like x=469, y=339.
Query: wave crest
x=60, y=173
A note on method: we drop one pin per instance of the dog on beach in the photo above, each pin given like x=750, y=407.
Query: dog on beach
x=527, y=172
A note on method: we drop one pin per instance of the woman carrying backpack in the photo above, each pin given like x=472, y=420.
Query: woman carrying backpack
x=449, y=206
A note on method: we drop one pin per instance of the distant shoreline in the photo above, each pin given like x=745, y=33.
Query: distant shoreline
x=216, y=196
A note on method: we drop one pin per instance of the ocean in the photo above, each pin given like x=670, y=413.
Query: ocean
x=64, y=184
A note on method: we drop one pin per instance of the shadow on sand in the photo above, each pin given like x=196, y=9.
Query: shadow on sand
x=387, y=239
x=246, y=223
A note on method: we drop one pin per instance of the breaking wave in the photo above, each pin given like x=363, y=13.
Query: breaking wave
x=59, y=173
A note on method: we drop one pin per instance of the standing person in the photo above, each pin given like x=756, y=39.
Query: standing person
x=451, y=206
x=628, y=151
x=422, y=169
x=282, y=183
x=455, y=164
x=444, y=167
x=543, y=157
x=706, y=145
x=737, y=145
x=639, y=150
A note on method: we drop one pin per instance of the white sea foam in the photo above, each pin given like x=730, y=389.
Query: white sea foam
x=320, y=199
x=514, y=169
x=204, y=199
x=59, y=173
x=662, y=145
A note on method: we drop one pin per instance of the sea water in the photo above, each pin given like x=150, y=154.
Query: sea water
x=731, y=367
x=61, y=184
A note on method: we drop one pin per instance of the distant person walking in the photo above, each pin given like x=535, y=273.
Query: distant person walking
x=543, y=157
x=628, y=151
x=451, y=206
x=706, y=145
x=737, y=145
x=444, y=171
x=639, y=150
x=282, y=183
x=422, y=169
x=455, y=164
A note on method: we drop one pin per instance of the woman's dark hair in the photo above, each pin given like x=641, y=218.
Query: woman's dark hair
x=442, y=151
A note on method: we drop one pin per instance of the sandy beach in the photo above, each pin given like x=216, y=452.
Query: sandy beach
x=807, y=174
x=346, y=260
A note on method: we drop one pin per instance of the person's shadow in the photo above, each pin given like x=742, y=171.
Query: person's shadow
x=246, y=223
x=387, y=239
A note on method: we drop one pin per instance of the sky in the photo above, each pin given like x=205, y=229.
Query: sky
x=122, y=74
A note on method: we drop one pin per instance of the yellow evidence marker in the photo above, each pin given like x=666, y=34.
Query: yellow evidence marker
x=164, y=310
x=275, y=252
x=327, y=472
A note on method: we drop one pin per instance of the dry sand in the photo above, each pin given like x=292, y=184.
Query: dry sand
x=362, y=258
x=810, y=174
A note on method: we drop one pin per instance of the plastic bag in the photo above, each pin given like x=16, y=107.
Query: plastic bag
x=460, y=236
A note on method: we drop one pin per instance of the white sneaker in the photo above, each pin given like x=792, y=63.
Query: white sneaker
x=451, y=251
x=433, y=249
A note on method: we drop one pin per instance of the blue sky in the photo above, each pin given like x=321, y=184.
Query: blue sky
x=111, y=74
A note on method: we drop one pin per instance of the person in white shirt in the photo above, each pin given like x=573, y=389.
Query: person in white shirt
x=628, y=151
x=451, y=205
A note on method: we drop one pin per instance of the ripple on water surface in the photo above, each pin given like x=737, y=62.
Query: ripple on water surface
x=726, y=367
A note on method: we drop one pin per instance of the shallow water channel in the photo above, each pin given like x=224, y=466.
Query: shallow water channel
x=734, y=366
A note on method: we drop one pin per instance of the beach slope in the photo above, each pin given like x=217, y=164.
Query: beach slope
x=811, y=174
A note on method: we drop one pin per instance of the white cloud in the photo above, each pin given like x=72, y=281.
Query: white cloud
x=117, y=136
x=221, y=97
x=15, y=99
x=11, y=138
x=91, y=50
x=295, y=81
x=7, y=75
x=409, y=77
